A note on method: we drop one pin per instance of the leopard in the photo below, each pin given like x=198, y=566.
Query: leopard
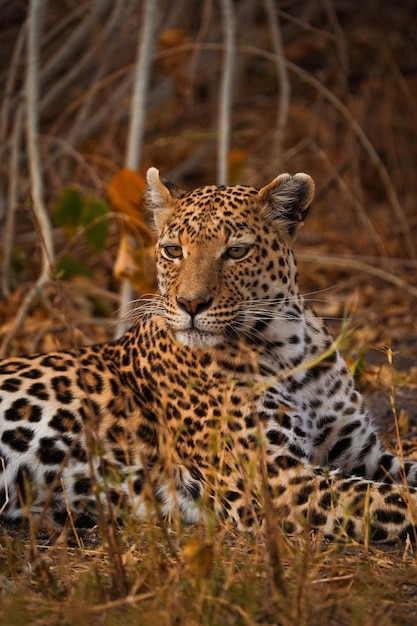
x=227, y=398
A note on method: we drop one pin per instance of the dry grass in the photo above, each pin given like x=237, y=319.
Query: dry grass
x=227, y=579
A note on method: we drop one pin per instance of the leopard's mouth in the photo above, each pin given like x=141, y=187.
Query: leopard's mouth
x=199, y=339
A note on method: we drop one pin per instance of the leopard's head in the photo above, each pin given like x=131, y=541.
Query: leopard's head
x=224, y=258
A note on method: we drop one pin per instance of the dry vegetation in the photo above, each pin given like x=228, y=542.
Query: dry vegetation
x=210, y=91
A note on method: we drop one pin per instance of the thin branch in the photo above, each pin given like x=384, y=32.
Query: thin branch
x=339, y=106
x=32, y=294
x=136, y=129
x=283, y=82
x=121, y=73
x=225, y=100
x=305, y=26
x=86, y=122
x=342, y=109
x=58, y=29
x=68, y=149
x=111, y=104
x=199, y=38
x=141, y=79
x=13, y=196
x=87, y=60
x=36, y=11
x=340, y=38
x=350, y=263
x=360, y=134
x=347, y=190
x=16, y=62
x=63, y=57
x=118, y=16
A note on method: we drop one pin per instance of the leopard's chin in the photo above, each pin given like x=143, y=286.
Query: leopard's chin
x=199, y=339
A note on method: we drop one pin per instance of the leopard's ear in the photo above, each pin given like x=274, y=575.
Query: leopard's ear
x=286, y=201
x=161, y=197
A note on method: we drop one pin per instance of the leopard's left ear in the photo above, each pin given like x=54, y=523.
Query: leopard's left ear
x=286, y=201
x=161, y=197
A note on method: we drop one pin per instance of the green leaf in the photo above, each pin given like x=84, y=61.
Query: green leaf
x=357, y=368
x=92, y=210
x=68, y=267
x=66, y=213
x=18, y=258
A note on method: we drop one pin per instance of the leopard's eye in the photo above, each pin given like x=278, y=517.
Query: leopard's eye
x=238, y=252
x=172, y=252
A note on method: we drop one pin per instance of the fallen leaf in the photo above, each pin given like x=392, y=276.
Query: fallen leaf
x=135, y=257
x=198, y=557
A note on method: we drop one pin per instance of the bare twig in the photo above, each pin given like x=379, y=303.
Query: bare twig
x=356, y=203
x=15, y=62
x=32, y=294
x=360, y=134
x=341, y=108
x=141, y=75
x=225, y=102
x=13, y=195
x=58, y=29
x=88, y=59
x=198, y=39
x=6, y=488
x=61, y=120
x=351, y=263
x=136, y=129
x=32, y=112
x=2, y=205
x=340, y=38
x=111, y=104
x=75, y=41
x=305, y=26
x=346, y=114
x=283, y=82
x=36, y=11
x=82, y=118
x=117, y=17
x=67, y=148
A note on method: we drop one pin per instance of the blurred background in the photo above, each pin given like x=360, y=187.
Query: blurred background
x=96, y=91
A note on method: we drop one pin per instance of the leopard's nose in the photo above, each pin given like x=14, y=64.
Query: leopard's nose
x=193, y=306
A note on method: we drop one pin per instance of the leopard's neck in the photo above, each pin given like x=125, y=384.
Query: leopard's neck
x=295, y=338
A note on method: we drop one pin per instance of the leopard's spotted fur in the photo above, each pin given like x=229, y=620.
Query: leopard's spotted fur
x=225, y=392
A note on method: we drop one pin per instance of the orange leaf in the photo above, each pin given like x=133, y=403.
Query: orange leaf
x=135, y=257
x=174, y=63
x=126, y=192
x=236, y=162
x=198, y=557
x=136, y=264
